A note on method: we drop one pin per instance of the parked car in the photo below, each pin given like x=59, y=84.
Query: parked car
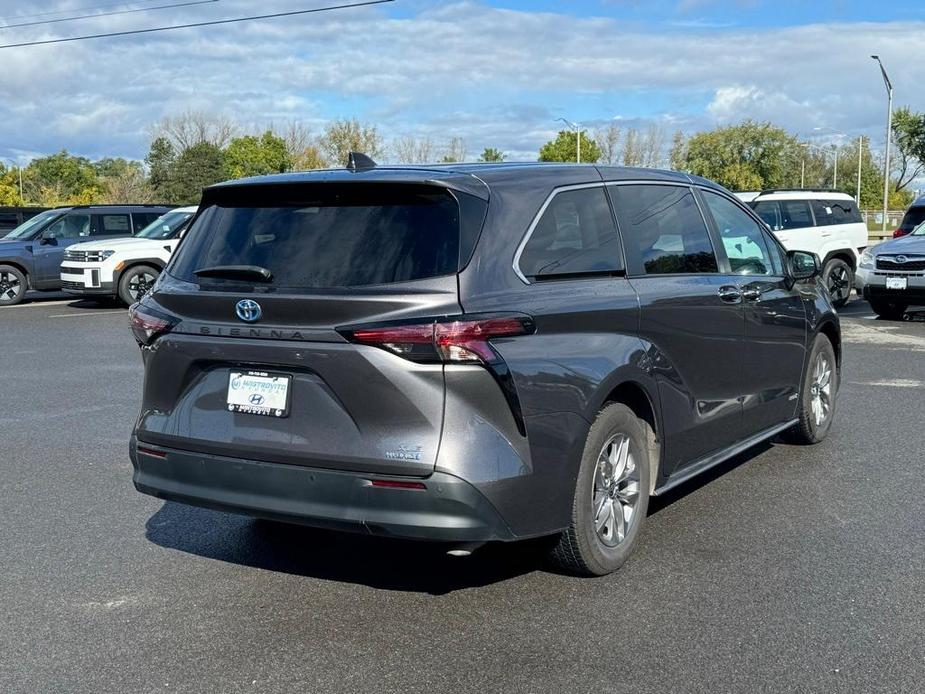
x=824, y=222
x=124, y=268
x=12, y=217
x=914, y=216
x=891, y=275
x=472, y=353
x=31, y=254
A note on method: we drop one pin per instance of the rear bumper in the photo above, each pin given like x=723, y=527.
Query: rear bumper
x=448, y=509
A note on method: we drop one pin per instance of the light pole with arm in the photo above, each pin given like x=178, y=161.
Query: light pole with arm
x=577, y=128
x=889, y=132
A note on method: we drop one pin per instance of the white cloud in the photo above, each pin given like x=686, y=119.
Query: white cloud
x=495, y=77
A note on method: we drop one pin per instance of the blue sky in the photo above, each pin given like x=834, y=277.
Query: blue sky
x=496, y=73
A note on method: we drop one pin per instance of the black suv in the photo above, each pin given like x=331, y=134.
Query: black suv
x=474, y=352
x=31, y=254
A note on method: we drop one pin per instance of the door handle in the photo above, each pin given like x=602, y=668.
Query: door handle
x=730, y=294
x=751, y=293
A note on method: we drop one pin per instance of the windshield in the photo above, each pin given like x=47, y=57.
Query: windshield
x=30, y=225
x=165, y=227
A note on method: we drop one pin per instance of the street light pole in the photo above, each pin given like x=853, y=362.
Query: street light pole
x=889, y=132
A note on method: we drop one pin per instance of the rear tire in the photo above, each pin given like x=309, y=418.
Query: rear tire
x=136, y=282
x=818, y=395
x=611, y=496
x=839, y=279
x=13, y=285
x=890, y=310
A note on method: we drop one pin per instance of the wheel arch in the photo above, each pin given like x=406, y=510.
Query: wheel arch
x=833, y=333
x=842, y=254
x=135, y=262
x=637, y=397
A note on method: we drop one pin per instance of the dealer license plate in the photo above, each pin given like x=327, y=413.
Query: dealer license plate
x=259, y=392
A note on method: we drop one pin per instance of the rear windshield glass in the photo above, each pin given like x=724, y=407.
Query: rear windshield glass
x=327, y=236
x=914, y=216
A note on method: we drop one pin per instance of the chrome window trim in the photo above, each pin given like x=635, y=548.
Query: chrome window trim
x=536, y=220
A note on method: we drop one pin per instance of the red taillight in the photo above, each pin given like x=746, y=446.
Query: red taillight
x=144, y=450
x=148, y=324
x=454, y=341
x=899, y=232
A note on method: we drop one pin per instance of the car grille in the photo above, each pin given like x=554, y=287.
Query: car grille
x=73, y=285
x=911, y=264
x=72, y=271
x=83, y=256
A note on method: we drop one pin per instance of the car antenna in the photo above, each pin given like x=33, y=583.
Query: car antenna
x=357, y=161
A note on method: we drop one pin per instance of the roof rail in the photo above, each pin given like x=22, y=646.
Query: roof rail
x=800, y=190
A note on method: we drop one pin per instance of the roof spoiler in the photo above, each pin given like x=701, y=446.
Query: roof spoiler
x=357, y=161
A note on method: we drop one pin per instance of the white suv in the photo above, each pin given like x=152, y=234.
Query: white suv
x=126, y=268
x=827, y=223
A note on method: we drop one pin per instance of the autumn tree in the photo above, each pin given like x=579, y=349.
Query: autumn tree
x=344, y=136
x=413, y=150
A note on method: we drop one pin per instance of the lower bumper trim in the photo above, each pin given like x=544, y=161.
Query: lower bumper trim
x=447, y=509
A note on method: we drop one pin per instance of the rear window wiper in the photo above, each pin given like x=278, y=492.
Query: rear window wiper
x=236, y=272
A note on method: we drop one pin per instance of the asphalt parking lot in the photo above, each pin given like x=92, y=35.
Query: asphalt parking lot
x=789, y=569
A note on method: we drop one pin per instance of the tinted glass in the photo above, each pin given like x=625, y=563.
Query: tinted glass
x=30, y=226
x=913, y=217
x=337, y=238
x=844, y=212
x=575, y=235
x=742, y=238
x=144, y=219
x=823, y=212
x=795, y=214
x=769, y=211
x=70, y=226
x=110, y=224
x=663, y=230
x=165, y=227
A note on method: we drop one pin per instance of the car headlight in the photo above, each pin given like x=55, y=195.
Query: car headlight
x=105, y=254
x=867, y=260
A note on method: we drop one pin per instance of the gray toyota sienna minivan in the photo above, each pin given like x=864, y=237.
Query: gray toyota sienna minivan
x=473, y=353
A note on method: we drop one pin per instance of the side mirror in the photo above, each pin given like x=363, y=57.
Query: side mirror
x=47, y=240
x=803, y=265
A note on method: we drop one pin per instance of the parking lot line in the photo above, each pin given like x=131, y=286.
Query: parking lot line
x=89, y=313
x=40, y=304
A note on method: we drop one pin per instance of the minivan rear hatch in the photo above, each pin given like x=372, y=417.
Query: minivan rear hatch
x=255, y=367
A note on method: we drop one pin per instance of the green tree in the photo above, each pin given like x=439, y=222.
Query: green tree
x=61, y=179
x=909, y=136
x=9, y=186
x=748, y=156
x=677, y=155
x=565, y=148
x=257, y=156
x=197, y=167
x=160, y=161
x=492, y=155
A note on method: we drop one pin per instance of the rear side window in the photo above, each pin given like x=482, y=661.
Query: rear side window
x=795, y=214
x=113, y=224
x=574, y=235
x=321, y=236
x=844, y=212
x=663, y=230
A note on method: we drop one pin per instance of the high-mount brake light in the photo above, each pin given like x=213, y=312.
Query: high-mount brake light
x=454, y=341
x=148, y=324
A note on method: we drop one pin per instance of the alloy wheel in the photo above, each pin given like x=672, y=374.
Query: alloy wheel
x=821, y=390
x=140, y=284
x=616, y=491
x=10, y=287
x=839, y=284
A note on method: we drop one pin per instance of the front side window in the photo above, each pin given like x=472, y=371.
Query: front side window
x=30, y=226
x=70, y=226
x=795, y=214
x=575, y=235
x=743, y=240
x=663, y=230
x=165, y=227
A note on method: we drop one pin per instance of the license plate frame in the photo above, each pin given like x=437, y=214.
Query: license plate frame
x=246, y=385
x=897, y=283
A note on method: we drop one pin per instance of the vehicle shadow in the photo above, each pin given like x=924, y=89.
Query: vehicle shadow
x=383, y=563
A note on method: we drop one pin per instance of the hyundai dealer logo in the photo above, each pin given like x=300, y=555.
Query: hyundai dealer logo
x=901, y=259
x=256, y=400
x=248, y=310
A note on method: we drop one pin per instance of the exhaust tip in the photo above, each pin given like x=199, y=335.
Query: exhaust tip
x=464, y=550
